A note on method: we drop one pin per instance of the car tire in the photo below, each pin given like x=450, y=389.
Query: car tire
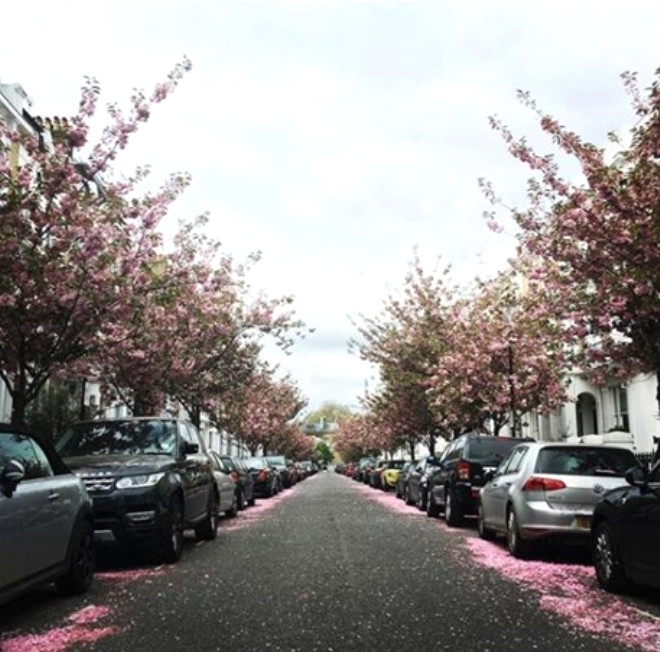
x=516, y=545
x=432, y=509
x=171, y=536
x=483, y=532
x=406, y=496
x=252, y=500
x=82, y=557
x=453, y=515
x=207, y=530
x=232, y=512
x=421, y=500
x=607, y=559
x=240, y=500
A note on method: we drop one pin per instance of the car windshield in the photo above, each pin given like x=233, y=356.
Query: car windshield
x=395, y=464
x=129, y=437
x=277, y=460
x=585, y=461
x=256, y=463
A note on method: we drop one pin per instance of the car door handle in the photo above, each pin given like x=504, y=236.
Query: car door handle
x=53, y=496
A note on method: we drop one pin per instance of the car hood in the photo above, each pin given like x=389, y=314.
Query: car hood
x=119, y=464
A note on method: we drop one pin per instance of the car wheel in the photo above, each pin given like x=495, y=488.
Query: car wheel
x=207, y=530
x=406, y=496
x=171, y=538
x=607, y=559
x=453, y=515
x=397, y=492
x=421, y=500
x=518, y=547
x=482, y=530
x=240, y=500
x=82, y=558
x=251, y=501
x=233, y=510
x=432, y=509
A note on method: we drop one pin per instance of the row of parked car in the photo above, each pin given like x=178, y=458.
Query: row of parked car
x=530, y=492
x=134, y=482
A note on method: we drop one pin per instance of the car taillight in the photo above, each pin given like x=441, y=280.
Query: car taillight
x=234, y=476
x=263, y=475
x=543, y=484
x=463, y=470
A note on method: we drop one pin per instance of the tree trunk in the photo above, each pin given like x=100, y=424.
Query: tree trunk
x=412, y=450
x=147, y=403
x=18, y=405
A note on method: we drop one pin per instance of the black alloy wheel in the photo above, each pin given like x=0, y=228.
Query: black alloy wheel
x=171, y=537
x=82, y=560
x=607, y=559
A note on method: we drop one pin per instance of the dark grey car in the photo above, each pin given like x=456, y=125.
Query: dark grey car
x=46, y=523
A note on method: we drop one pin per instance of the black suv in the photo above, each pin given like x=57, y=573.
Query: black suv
x=453, y=487
x=149, y=479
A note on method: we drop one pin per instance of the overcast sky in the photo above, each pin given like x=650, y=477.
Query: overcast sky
x=338, y=138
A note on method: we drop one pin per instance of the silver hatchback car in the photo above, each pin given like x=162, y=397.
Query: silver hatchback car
x=545, y=490
x=46, y=528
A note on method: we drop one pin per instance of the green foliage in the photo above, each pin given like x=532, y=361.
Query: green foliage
x=327, y=414
x=323, y=453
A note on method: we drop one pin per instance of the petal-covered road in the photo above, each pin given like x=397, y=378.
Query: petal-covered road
x=568, y=590
x=335, y=565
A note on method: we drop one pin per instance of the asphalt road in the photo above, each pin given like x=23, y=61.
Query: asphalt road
x=328, y=565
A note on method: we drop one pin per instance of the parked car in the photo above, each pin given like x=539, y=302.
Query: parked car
x=281, y=464
x=416, y=491
x=546, y=490
x=454, y=486
x=265, y=478
x=46, y=519
x=625, y=532
x=149, y=478
x=402, y=479
x=238, y=472
x=228, y=496
x=375, y=475
x=390, y=474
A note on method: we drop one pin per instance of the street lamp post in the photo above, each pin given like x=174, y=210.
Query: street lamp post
x=515, y=421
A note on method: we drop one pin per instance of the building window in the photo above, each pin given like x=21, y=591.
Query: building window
x=621, y=408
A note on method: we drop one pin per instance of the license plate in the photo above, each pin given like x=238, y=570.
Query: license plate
x=583, y=522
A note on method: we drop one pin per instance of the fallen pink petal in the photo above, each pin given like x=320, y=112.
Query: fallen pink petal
x=56, y=640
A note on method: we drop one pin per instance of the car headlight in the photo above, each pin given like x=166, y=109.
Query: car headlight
x=134, y=481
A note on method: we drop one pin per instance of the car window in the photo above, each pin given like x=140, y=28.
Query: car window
x=121, y=437
x=186, y=434
x=514, y=460
x=24, y=449
x=594, y=461
x=490, y=450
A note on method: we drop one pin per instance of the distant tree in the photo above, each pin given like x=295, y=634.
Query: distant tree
x=328, y=413
x=323, y=453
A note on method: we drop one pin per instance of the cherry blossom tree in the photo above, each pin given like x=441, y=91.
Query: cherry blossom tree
x=354, y=438
x=194, y=331
x=505, y=356
x=261, y=410
x=403, y=342
x=596, y=241
x=71, y=255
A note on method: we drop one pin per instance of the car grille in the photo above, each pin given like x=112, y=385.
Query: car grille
x=98, y=485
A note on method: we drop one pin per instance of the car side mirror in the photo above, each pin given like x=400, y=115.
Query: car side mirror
x=189, y=448
x=488, y=476
x=636, y=476
x=11, y=475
